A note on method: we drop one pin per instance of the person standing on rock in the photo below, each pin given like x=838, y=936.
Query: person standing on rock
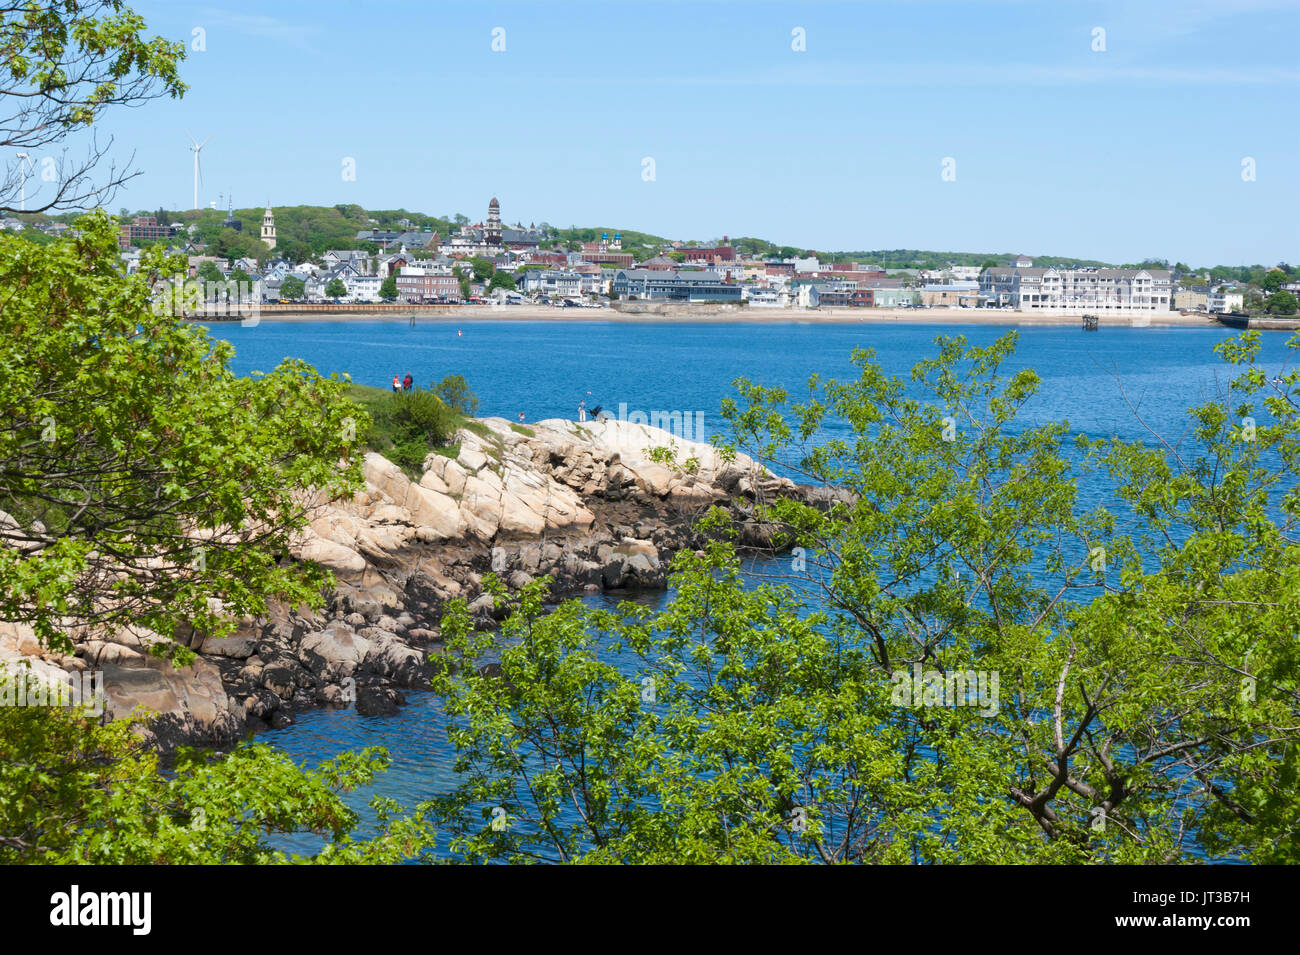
x=582, y=411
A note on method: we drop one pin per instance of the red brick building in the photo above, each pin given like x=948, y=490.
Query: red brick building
x=427, y=288
x=143, y=229
x=710, y=255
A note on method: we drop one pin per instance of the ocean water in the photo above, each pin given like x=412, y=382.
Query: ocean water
x=544, y=369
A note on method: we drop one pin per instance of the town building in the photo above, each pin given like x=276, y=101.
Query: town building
x=550, y=282
x=951, y=295
x=684, y=286
x=1191, y=300
x=1226, y=300
x=427, y=286
x=1082, y=289
x=710, y=255
x=143, y=229
x=894, y=297
x=766, y=297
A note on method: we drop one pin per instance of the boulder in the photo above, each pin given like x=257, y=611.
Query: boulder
x=329, y=555
x=333, y=653
x=189, y=700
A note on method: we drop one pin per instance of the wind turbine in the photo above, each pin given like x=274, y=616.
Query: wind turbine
x=196, y=147
x=24, y=164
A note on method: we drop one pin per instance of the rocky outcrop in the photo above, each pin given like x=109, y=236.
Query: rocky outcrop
x=596, y=506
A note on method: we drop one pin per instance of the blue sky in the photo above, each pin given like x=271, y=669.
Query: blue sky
x=1059, y=149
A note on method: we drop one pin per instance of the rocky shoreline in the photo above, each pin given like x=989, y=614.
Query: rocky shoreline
x=583, y=503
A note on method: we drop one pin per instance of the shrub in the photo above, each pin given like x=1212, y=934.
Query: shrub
x=454, y=391
x=411, y=424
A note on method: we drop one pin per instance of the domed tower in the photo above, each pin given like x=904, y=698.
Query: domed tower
x=492, y=232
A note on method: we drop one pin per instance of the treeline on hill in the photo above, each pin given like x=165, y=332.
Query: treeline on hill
x=302, y=232
x=633, y=241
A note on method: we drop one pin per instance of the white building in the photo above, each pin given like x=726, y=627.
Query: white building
x=549, y=282
x=1228, y=300
x=766, y=297
x=1077, y=290
x=363, y=288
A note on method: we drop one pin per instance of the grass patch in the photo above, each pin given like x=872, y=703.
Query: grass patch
x=523, y=429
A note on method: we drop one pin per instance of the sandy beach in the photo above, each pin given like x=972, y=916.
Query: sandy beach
x=719, y=314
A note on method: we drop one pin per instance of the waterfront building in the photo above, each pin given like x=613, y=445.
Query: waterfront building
x=1191, y=300
x=427, y=286
x=1084, y=289
x=681, y=286
x=550, y=282
x=952, y=294
x=894, y=297
x=1226, y=300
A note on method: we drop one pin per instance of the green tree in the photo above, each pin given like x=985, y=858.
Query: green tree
x=144, y=483
x=241, y=280
x=208, y=272
x=294, y=250
x=1281, y=303
x=388, y=288
x=482, y=268
x=1272, y=280
x=501, y=280
x=455, y=393
x=292, y=287
x=335, y=288
x=110, y=462
x=68, y=65
x=1145, y=709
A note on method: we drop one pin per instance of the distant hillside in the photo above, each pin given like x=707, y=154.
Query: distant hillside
x=307, y=231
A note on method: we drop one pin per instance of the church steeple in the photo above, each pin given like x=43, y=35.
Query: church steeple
x=268, y=227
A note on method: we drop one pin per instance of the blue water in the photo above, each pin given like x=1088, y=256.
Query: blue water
x=544, y=369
